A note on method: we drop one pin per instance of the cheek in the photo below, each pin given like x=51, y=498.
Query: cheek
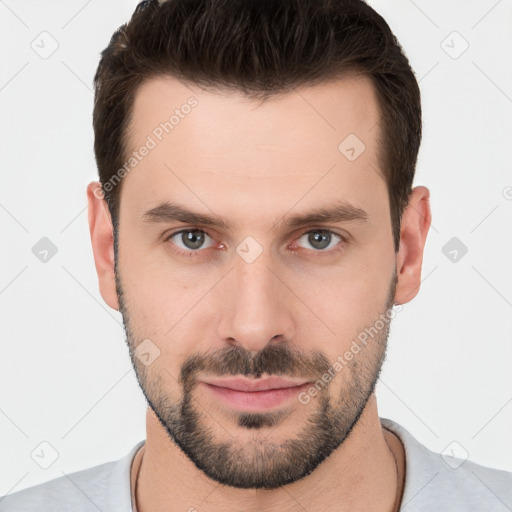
x=164, y=303
x=347, y=299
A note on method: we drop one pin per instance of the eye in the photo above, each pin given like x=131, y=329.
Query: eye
x=189, y=241
x=321, y=239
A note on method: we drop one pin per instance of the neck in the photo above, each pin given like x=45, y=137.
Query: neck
x=360, y=475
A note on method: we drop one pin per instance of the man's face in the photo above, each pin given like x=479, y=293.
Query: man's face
x=256, y=296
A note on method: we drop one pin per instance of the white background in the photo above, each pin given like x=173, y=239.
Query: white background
x=65, y=373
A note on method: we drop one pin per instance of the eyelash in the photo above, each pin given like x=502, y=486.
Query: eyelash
x=191, y=253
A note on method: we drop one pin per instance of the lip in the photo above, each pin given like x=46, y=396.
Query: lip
x=243, y=384
x=254, y=395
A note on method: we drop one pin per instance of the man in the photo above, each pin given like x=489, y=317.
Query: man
x=256, y=226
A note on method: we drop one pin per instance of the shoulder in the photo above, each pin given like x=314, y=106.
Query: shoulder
x=437, y=481
x=103, y=487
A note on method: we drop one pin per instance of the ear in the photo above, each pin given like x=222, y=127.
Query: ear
x=413, y=234
x=102, y=238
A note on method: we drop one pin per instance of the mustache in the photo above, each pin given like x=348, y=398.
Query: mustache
x=273, y=360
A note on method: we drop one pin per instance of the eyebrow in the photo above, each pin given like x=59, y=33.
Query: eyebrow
x=338, y=212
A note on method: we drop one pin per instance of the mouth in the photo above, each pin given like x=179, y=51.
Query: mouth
x=254, y=395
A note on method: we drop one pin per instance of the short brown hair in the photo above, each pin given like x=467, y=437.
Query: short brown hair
x=261, y=48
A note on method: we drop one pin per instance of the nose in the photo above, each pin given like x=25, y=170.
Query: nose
x=258, y=307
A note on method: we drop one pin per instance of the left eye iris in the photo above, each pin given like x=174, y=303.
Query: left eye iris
x=320, y=238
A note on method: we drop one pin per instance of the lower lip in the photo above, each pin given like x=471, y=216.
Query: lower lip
x=255, y=401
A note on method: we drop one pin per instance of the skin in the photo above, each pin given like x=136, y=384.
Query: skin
x=254, y=164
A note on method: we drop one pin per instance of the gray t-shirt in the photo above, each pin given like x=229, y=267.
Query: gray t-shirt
x=432, y=483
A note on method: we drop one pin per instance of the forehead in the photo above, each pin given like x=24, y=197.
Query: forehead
x=341, y=106
x=218, y=144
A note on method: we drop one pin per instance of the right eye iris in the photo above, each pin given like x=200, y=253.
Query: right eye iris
x=193, y=239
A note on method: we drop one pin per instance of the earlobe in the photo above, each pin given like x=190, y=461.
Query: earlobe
x=102, y=239
x=413, y=234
